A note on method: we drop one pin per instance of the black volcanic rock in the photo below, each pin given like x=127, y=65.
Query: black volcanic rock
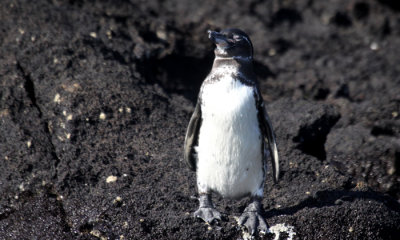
x=95, y=98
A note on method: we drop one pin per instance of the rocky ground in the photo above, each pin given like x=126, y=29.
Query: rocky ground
x=96, y=96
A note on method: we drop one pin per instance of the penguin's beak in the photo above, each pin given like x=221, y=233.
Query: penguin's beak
x=218, y=39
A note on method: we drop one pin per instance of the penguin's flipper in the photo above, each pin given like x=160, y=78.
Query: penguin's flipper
x=268, y=133
x=191, y=138
x=272, y=146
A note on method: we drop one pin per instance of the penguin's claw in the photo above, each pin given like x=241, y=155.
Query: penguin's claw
x=207, y=214
x=253, y=221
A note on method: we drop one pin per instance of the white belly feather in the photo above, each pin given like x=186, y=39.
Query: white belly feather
x=229, y=147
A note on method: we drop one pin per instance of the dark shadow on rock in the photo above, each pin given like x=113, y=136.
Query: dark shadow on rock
x=311, y=138
x=329, y=198
x=262, y=71
x=177, y=73
x=393, y=4
x=361, y=10
x=386, y=127
x=343, y=91
x=282, y=45
x=285, y=15
x=341, y=19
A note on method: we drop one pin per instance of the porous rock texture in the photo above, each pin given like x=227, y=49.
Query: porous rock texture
x=95, y=97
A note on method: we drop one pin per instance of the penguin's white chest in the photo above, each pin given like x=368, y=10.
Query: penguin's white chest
x=230, y=159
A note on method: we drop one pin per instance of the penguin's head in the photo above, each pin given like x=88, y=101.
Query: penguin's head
x=231, y=43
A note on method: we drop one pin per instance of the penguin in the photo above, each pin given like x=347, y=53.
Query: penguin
x=230, y=136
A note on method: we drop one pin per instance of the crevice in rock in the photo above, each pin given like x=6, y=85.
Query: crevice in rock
x=30, y=90
x=311, y=138
x=397, y=162
x=64, y=217
x=386, y=128
x=50, y=192
x=86, y=228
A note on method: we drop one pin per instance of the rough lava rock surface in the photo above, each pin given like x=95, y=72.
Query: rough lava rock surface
x=95, y=97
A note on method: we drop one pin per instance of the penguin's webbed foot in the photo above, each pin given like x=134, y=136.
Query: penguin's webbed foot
x=252, y=219
x=206, y=211
x=207, y=214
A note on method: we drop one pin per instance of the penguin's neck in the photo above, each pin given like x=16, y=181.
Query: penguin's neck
x=242, y=66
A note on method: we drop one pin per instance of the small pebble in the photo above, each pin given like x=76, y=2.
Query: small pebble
x=95, y=233
x=374, y=46
x=93, y=34
x=125, y=225
x=57, y=98
x=111, y=179
x=102, y=116
x=271, y=52
x=161, y=34
x=109, y=34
